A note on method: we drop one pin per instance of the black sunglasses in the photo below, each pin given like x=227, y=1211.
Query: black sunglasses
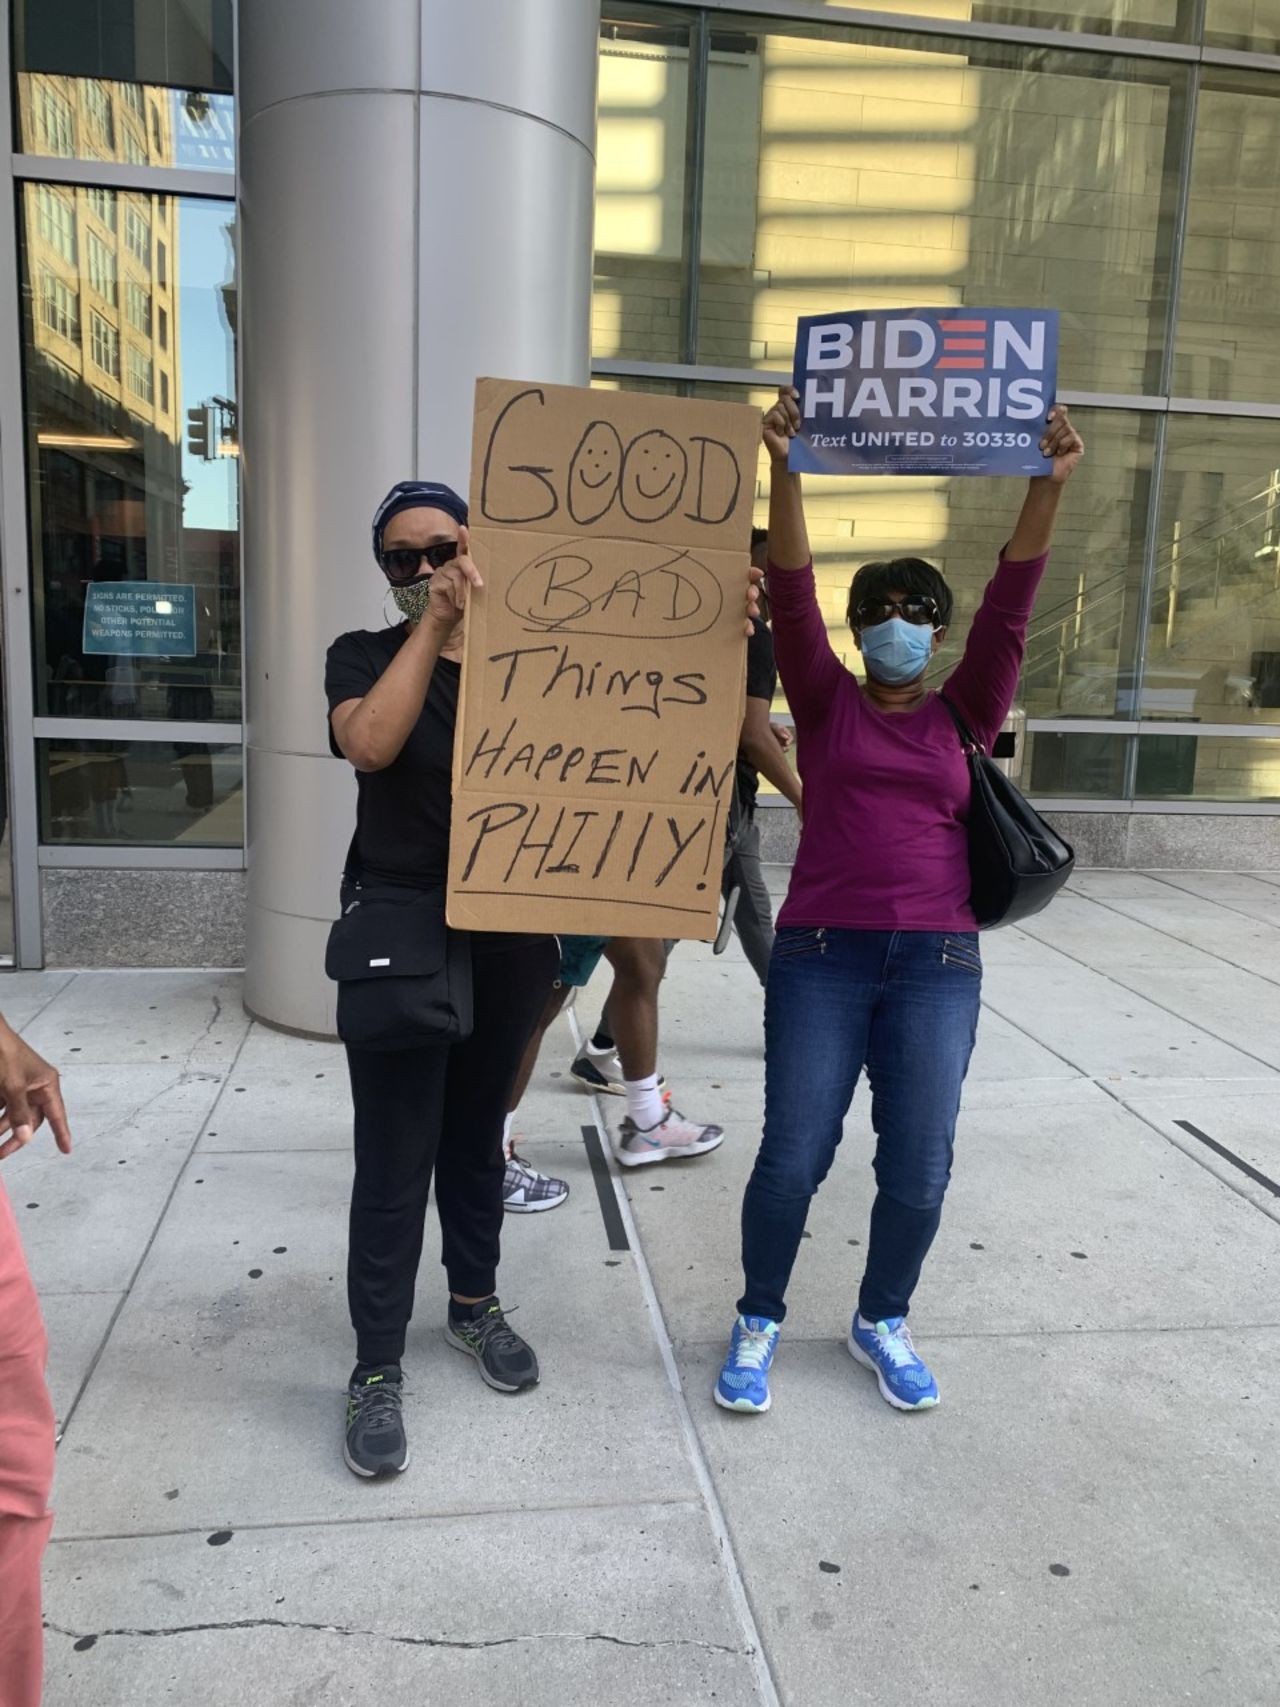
x=402, y=563
x=916, y=607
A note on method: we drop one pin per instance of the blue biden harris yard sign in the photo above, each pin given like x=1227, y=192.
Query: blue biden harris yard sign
x=925, y=391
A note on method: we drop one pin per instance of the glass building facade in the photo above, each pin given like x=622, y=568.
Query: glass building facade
x=1114, y=159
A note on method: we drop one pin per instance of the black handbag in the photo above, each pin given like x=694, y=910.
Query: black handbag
x=403, y=977
x=1017, y=862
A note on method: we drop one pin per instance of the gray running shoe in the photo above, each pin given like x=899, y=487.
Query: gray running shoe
x=375, y=1443
x=506, y=1362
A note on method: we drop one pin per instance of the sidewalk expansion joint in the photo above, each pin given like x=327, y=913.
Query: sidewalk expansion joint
x=938, y=1336
x=441, y=1514
x=738, y=1594
x=86, y=1639
x=221, y=1079
x=1113, y=977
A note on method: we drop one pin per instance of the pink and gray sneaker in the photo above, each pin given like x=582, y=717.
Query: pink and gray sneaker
x=671, y=1138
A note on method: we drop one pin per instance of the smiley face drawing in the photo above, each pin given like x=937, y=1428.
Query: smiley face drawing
x=594, y=473
x=653, y=476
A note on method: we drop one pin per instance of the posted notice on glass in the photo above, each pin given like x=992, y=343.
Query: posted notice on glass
x=925, y=391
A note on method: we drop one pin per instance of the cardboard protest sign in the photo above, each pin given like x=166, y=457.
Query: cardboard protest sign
x=605, y=661
x=925, y=391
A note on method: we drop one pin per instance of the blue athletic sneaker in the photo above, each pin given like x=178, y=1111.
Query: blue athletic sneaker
x=744, y=1381
x=904, y=1380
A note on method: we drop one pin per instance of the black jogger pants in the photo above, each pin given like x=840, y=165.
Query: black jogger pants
x=438, y=1108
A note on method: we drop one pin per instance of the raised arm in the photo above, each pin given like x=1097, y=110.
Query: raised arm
x=788, y=536
x=985, y=681
x=809, y=668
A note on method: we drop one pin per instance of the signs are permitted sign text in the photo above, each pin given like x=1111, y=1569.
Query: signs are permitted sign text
x=140, y=619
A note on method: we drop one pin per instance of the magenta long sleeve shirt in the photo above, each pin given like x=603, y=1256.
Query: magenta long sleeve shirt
x=886, y=794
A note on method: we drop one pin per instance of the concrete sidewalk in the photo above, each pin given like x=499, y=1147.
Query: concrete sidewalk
x=1092, y=1514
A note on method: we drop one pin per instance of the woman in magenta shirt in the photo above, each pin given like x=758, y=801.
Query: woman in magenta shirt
x=876, y=962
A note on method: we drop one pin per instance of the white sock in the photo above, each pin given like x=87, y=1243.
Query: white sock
x=506, y=1135
x=644, y=1101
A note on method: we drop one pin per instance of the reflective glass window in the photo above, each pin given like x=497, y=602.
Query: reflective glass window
x=97, y=103
x=151, y=126
x=1228, y=340
x=134, y=531
x=104, y=344
x=55, y=125
x=638, y=304
x=1213, y=652
x=1152, y=20
x=1249, y=26
x=59, y=306
x=183, y=43
x=102, y=204
x=138, y=307
x=56, y=216
x=101, y=268
x=141, y=375
x=1074, y=767
x=140, y=793
x=137, y=231
x=887, y=171
x=1208, y=768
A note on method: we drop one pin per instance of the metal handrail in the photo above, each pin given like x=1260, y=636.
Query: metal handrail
x=1181, y=586
x=1049, y=618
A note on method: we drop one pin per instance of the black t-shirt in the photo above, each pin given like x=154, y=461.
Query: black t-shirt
x=402, y=812
x=762, y=683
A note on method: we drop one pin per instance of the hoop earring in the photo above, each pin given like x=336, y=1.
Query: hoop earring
x=389, y=621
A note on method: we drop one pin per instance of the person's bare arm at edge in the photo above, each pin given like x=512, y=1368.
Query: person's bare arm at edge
x=31, y=1093
x=1033, y=533
x=760, y=745
x=372, y=731
x=808, y=666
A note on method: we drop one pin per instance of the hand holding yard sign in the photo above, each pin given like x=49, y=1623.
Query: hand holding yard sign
x=1063, y=443
x=782, y=423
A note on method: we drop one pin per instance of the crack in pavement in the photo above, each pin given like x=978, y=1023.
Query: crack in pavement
x=86, y=1639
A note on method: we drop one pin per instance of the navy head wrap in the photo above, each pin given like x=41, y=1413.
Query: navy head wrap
x=413, y=495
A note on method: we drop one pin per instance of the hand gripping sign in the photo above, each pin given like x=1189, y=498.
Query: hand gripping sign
x=605, y=659
x=925, y=391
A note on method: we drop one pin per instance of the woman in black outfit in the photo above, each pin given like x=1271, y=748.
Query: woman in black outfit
x=393, y=700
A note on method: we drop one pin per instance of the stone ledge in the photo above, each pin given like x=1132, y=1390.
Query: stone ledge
x=1125, y=841
x=143, y=918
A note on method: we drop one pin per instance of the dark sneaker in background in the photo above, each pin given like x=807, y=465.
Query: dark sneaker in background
x=506, y=1362
x=375, y=1443
x=600, y=1070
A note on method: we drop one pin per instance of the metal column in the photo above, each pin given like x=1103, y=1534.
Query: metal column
x=415, y=211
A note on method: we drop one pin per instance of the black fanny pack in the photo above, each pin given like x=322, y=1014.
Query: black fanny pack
x=403, y=977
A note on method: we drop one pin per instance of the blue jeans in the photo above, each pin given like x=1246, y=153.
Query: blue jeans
x=904, y=1005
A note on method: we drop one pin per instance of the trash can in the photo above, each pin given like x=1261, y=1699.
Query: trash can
x=1010, y=750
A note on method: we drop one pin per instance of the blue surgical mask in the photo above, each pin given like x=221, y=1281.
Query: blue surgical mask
x=896, y=651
